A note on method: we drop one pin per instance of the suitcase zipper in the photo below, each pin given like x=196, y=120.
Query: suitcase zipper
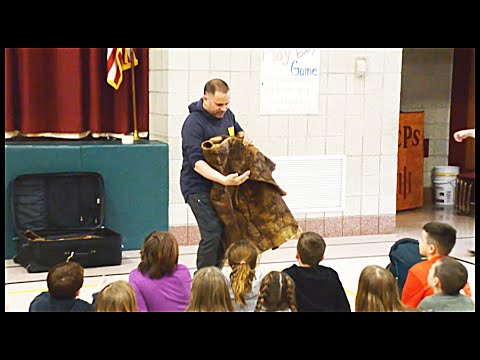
x=32, y=236
x=85, y=237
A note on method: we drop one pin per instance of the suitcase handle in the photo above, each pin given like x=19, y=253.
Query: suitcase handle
x=78, y=254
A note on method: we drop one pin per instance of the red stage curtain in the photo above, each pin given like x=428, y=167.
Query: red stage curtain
x=64, y=91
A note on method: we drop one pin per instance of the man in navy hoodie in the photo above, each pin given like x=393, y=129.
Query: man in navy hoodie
x=209, y=117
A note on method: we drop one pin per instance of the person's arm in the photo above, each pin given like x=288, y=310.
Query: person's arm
x=192, y=138
x=412, y=292
x=210, y=173
x=461, y=135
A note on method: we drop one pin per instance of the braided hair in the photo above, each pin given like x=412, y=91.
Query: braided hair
x=277, y=293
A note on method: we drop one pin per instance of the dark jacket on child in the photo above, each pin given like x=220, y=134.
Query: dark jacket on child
x=45, y=302
x=318, y=288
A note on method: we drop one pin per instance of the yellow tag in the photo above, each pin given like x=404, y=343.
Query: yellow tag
x=231, y=131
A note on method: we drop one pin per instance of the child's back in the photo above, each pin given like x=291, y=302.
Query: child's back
x=318, y=288
x=118, y=296
x=64, y=282
x=250, y=296
x=243, y=275
x=436, y=242
x=209, y=292
x=160, y=283
x=447, y=277
x=377, y=291
x=45, y=302
x=447, y=303
x=277, y=293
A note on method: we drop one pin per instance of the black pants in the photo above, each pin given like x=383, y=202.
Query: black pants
x=210, y=249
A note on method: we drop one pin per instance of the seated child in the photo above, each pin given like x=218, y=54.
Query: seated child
x=318, y=287
x=64, y=281
x=117, y=296
x=447, y=277
x=243, y=275
x=277, y=293
x=161, y=284
x=377, y=291
x=437, y=241
x=209, y=292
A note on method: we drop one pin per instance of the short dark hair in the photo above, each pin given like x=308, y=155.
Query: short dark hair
x=159, y=254
x=311, y=248
x=214, y=85
x=453, y=275
x=65, y=279
x=443, y=235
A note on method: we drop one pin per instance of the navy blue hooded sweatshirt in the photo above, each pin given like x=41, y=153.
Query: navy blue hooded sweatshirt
x=198, y=127
x=45, y=302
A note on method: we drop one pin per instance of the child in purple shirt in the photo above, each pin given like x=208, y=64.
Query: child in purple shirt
x=160, y=283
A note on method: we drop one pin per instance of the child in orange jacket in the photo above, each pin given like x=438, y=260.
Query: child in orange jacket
x=437, y=241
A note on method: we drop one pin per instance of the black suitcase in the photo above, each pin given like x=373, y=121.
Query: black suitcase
x=60, y=217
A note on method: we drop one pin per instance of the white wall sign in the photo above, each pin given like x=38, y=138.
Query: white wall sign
x=289, y=81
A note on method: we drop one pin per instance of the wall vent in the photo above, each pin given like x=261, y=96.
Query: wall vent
x=312, y=183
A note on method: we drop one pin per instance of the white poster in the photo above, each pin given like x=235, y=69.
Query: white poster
x=289, y=81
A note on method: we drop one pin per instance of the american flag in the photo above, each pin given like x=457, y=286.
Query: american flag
x=118, y=60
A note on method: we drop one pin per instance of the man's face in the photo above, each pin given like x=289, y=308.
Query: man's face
x=216, y=105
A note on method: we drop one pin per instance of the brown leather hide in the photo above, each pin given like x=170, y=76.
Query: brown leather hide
x=254, y=210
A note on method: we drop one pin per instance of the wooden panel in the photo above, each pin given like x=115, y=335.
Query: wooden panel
x=470, y=145
x=410, y=161
x=462, y=108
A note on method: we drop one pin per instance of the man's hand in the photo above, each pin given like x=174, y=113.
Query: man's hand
x=235, y=179
x=461, y=135
x=246, y=140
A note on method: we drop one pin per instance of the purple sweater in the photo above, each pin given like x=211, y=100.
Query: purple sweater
x=170, y=293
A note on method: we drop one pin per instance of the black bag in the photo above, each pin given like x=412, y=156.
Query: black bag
x=403, y=254
x=59, y=217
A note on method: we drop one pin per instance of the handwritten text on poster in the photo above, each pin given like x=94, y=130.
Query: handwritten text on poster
x=289, y=81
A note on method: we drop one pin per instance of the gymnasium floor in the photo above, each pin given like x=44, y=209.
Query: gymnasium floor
x=347, y=255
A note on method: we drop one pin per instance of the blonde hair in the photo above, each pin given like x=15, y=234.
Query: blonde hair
x=117, y=296
x=377, y=291
x=242, y=256
x=209, y=292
